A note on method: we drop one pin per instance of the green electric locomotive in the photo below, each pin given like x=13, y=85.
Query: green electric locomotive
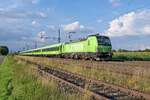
x=92, y=47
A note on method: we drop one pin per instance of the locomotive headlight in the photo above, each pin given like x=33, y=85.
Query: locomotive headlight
x=110, y=54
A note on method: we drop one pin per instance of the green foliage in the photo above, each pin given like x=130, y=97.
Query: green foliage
x=4, y=50
x=131, y=56
x=147, y=50
x=122, y=50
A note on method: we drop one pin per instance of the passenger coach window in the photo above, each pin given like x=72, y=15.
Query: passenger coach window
x=51, y=49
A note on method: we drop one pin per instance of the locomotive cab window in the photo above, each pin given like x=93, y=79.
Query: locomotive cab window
x=103, y=40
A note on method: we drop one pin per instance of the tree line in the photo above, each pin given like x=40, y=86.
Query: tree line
x=124, y=50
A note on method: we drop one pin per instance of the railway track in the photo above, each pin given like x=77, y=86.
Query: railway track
x=110, y=69
x=124, y=71
x=96, y=89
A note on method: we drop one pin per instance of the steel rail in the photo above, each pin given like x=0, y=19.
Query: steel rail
x=82, y=90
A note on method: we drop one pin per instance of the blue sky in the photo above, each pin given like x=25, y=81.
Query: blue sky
x=24, y=21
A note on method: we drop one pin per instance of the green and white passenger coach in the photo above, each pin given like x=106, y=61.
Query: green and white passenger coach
x=92, y=47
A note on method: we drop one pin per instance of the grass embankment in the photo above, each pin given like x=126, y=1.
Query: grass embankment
x=131, y=56
x=140, y=81
x=18, y=81
x=5, y=80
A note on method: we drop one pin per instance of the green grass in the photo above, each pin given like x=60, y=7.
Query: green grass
x=5, y=79
x=139, y=56
x=18, y=82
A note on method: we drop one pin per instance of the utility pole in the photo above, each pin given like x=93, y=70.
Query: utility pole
x=59, y=37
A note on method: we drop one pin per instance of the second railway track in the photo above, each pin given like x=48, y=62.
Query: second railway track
x=111, y=67
x=97, y=89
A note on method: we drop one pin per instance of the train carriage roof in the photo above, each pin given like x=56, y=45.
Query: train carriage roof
x=49, y=46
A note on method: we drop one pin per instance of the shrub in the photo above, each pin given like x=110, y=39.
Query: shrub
x=4, y=50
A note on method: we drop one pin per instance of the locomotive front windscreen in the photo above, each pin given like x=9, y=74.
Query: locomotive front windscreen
x=103, y=40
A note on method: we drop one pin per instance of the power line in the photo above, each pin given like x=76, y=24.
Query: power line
x=58, y=38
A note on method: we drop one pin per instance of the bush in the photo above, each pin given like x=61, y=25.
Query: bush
x=132, y=56
x=4, y=50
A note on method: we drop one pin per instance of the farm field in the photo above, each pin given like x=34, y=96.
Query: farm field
x=132, y=56
x=20, y=81
x=129, y=74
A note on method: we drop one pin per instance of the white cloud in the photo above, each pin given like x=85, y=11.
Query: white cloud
x=146, y=29
x=25, y=2
x=42, y=14
x=14, y=4
x=99, y=21
x=73, y=26
x=82, y=26
x=76, y=26
x=143, y=47
x=34, y=1
x=51, y=27
x=35, y=23
x=133, y=23
x=115, y=3
x=139, y=46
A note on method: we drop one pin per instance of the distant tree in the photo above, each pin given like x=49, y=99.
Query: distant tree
x=122, y=50
x=113, y=50
x=4, y=50
x=139, y=50
x=146, y=50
